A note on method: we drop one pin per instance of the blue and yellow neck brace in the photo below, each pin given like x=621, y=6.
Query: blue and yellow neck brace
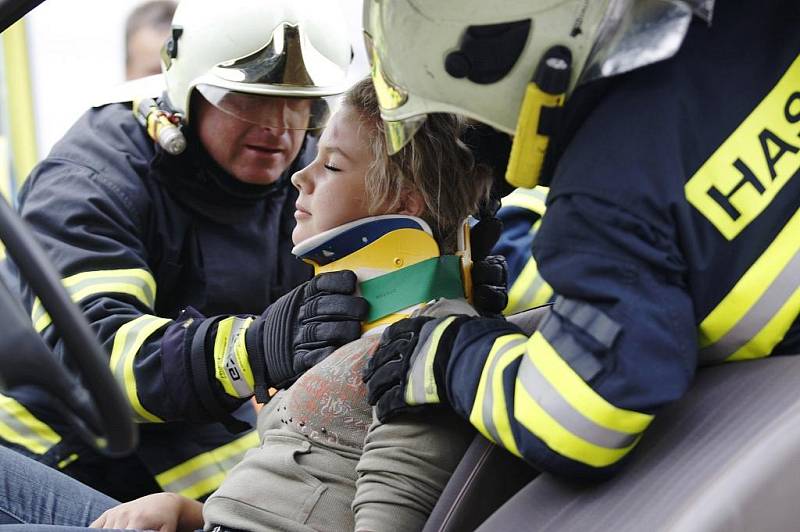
x=396, y=260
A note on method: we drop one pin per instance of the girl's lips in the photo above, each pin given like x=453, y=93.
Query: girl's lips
x=300, y=212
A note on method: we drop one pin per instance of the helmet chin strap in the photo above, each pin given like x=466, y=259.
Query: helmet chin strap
x=396, y=260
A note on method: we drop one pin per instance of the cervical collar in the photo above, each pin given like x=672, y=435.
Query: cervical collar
x=395, y=258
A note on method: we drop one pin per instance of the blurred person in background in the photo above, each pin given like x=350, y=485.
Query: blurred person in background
x=147, y=28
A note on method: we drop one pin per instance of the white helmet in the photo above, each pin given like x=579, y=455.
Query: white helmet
x=236, y=52
x=477, y=58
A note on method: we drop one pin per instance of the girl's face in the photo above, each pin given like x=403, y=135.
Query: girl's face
x=332, y=188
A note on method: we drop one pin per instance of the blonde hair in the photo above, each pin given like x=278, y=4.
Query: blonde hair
x=435, y=163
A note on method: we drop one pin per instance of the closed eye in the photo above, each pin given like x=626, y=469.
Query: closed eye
x=332, y=168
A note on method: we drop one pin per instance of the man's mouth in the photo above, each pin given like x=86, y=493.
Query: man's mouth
x=263, y=149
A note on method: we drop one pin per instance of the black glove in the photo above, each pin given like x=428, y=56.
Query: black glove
x=303, y=327
x=490, y=286
x=396, y=373
x=489, y=272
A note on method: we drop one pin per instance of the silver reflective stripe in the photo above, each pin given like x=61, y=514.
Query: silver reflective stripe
x=206, y=472
x=581, y=360
x=92, y=283
x=488, y=403
x=230, y=361
x=532, y=290
x=131, y=280
x=128, y=340
x=547, y=397
x=589, y=319
x=416, y=394
x=22, y=434
x=770, y=302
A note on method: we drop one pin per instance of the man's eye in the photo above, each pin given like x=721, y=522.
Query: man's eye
x=331, y=168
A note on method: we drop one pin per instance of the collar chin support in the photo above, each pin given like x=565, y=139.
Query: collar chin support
x=396, y=260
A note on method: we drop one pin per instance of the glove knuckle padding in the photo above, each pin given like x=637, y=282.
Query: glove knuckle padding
x=306, y=334
x=338, y=305
x=488, y=298
x=341, y=282
x=490, y=271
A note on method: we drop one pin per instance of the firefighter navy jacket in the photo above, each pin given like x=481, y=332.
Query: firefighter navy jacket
x=148, y=245
x=670, y=241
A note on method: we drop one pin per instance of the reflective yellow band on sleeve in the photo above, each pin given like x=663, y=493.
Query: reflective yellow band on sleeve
x=532, y=199
x=421, y=387
x=135, y=282
x=128, y=340
x=67, y=461
x=20, y=427
x=529, y=290
x=559, y=408
x=756, y=314
x=203, y=474
x=231, y=364
x=490, y=414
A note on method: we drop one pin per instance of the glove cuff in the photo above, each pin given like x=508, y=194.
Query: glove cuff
x=200, y=351
x=427, y=377
x=277, y=335
x=253, y=341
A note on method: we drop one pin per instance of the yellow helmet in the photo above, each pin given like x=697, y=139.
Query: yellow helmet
x=476, y=58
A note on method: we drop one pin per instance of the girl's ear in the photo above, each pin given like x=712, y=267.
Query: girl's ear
x=412, y=203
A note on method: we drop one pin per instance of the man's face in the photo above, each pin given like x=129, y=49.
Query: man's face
x=250, y=152
x=333, y=188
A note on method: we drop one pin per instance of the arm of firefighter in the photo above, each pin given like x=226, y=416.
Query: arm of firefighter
x=521, y=214
x=91, y=229
x=618, y=344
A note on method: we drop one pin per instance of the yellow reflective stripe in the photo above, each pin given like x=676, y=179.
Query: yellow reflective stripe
x=127, y=342
x=530, y=199
x=579, y=394
x=67, y=461
x=19, y=426
x=489, y=411
x=136, y=282
x=756, y=314
x=559, y=439
x=761, y=345
x=529, y=290
x=421, y=386
x=576, y=422
x=204, y=473
x=231, y=363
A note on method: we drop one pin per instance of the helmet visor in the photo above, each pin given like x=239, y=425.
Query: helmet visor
x=272, y=111
x=390, y=97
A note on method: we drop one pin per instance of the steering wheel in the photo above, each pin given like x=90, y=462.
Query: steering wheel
x=99, y=411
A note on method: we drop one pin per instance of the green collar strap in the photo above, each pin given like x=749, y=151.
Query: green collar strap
x=419, y=283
